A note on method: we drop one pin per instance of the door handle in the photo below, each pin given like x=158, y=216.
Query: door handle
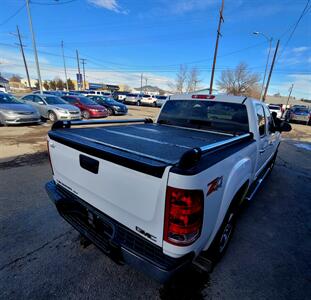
x=262, y=151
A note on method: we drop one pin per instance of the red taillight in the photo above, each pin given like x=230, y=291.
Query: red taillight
x=203, y=97
x=183, y=216
x=47, y=143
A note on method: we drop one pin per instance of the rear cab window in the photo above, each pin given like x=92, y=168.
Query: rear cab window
x=207, y=115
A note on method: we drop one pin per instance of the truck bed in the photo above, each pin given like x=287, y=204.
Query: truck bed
x=154, y=146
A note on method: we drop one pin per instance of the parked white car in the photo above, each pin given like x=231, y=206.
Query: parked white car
x=149, y=100
x=277, y=109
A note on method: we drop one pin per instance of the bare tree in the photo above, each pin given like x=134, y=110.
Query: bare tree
x=46, y=85
x=193, y=80
x=181, y=79
x=52, y=85
x=60, y=84
x=15, y=78
x=126, y=88
x=71, y=85
x=240, y=81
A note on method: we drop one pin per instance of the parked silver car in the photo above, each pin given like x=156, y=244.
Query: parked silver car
x=52, y=107
x=13, y=111
x=299, y=114
x=132, y=99
x=160, y=100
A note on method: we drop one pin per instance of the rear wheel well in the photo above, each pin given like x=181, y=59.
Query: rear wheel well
x=240, y=195
x=219, y=243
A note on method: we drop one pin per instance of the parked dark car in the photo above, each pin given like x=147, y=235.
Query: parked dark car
x=89, y=108
x=13, y=111
x=114, y=107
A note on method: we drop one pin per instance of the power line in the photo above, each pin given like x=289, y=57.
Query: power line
x=13, y=15
x=57, y=2
x=303, y=13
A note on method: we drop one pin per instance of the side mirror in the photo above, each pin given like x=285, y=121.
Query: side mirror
x=285, y=127
x=41, y=102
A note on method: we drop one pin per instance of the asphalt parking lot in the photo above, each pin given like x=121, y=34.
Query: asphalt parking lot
x=41, y=257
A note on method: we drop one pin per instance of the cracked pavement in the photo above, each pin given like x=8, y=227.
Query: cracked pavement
x=269, y=256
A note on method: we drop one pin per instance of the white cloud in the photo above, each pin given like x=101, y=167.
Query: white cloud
x=302, y=85
x=179, y=7
x=300, y=49
x=12, y=63
x=108, y=4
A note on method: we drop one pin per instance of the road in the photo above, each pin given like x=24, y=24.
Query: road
x=268, y=258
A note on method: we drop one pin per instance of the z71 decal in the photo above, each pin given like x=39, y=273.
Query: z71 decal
x=214, y=185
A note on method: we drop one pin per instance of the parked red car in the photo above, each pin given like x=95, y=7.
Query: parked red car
x=89, y=108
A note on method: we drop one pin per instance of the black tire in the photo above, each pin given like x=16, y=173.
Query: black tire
x=138, y=103
x=154, y=104
x=52, y=116
x=110, y=111
x=223, y=237
x=85, y=114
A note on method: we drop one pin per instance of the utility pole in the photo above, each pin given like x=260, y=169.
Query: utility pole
x=79, y=74
x=83, y=68
x=141, y=83
x=34, y=46
x=271, y=70
x=23, y=54
x=221, y=20
x=146, y=80
x=62, y=45
x=290, y=93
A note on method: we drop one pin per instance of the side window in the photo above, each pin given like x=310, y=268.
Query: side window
x=261, y=119
x=37, y=99
x=28, y=98
x=270, y=120
x=70, y=100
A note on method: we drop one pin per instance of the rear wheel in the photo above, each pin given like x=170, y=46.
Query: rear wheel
x=225, y=232
x=223, y=236
x=52, y=116
x=154, y=104
x=110, y=111
x=138, y=103
x=85, y=114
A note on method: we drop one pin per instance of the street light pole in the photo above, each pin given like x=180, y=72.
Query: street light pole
x=34, y=46
x=269, y=39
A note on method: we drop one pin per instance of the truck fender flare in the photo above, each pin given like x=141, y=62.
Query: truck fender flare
x=239, y=177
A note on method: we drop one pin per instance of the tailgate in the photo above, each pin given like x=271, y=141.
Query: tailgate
x=133, y=198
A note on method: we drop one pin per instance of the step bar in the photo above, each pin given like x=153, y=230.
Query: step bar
x=259, y=182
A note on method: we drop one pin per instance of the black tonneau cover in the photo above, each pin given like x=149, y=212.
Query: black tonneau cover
x=144, y=147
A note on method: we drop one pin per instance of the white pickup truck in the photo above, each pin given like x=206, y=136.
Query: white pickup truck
x=163, y=196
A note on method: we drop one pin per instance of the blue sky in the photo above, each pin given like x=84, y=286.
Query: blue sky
x=123, y=38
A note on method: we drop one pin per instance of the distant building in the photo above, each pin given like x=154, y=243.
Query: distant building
x=33, y=82
x=4, y=84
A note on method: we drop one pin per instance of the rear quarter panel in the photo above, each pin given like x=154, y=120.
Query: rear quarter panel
x=235, y=171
